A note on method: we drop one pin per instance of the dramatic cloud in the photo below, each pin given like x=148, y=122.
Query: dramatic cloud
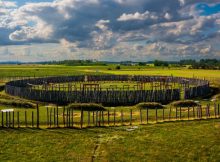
x=115, y=28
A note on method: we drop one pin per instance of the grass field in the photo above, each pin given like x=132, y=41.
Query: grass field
x=172, y=141
x=181, y=141
x=51, y=70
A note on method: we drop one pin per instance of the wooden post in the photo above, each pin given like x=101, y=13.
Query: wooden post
x=201, y=112
x=88, y=118
x=67, y=117
x=114, y=117
x=147, y=116
x=54, y=117
x=38, y=116
x=93, y=118
x=32, y=116
x=6, y=113
x=176, y=112
x=96, y=118
x=170, y=113
x=18, y=121
x=72, y=117
x=99, y=118
x=131, y=117
x=156, y=114
x=121, y=117
x=64, y=116
x=108, y=117
x=188, y=112
x=9, y=114
x=13, y=119
x=103, y=120
x=163, y=114
x=2, y=119
x=218, y=110
x=47, y=117
x=215, y=110
x=57, y=116
x=81, y=121
x=50, y=117
x=193, y=112
x=180, y=112
x=140, y=116
x=25, y=118
x=206, y=111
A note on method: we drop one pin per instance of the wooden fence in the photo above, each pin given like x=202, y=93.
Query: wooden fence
x=192, y=87
x=61, y=117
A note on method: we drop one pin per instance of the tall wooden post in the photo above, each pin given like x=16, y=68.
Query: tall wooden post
x=188, y=112
x=81, y=121
x=13, y=119
x=32, y=117
x=64, y=116
x=18, y=121
x=47, y=117
x=2, y=119
x=163, y=114
x=121, y=117
x=147, y=115
x=25, y=114
x=140, y=116
x=57, y=116
x=176, y=112
x=131, y=117
x=108, y=117
x=54, y=117
x=114, y=117
x=88, y=118
x=38, y=116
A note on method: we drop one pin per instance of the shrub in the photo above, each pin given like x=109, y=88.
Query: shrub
x=149, y=105
x=184, y=103
x=86, y=106
x=118, y=67
x=2, y=87
x=16, y=103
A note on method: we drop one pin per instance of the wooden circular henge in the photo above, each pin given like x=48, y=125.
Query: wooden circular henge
x=89, y=89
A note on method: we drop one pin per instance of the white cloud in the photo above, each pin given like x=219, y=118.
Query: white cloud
x=137, y=16
x=167, y=16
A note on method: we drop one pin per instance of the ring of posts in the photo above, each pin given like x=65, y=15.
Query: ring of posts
x=120, y=89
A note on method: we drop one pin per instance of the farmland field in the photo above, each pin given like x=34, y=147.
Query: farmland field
x=172, y=141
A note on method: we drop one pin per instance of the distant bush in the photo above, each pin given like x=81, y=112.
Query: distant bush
x=149, y=105
x=184, y=103
x=118, y=67
x=2, y=87
x=86, y=107
x=16, y=103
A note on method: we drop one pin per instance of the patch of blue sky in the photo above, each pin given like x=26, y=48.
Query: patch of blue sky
x=22, y=2
x=208, y=9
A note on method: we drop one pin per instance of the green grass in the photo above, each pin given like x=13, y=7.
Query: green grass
x=180, y=141
x=169, y=141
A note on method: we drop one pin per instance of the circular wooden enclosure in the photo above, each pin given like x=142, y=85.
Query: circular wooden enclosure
x=108, y=89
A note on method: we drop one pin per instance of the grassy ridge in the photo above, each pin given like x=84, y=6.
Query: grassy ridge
x=183, y=141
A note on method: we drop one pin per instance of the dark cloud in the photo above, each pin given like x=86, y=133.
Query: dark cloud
x=103, y=24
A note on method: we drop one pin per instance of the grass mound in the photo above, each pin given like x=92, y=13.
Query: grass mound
x=86, y=106
x=184, y=103
x=2, y=87
x=17, y=103
x=149, y=105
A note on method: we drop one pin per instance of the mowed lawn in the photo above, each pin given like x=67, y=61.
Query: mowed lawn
x=174, y=141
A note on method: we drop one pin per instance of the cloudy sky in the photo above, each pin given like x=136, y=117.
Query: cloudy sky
x=112, y=30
